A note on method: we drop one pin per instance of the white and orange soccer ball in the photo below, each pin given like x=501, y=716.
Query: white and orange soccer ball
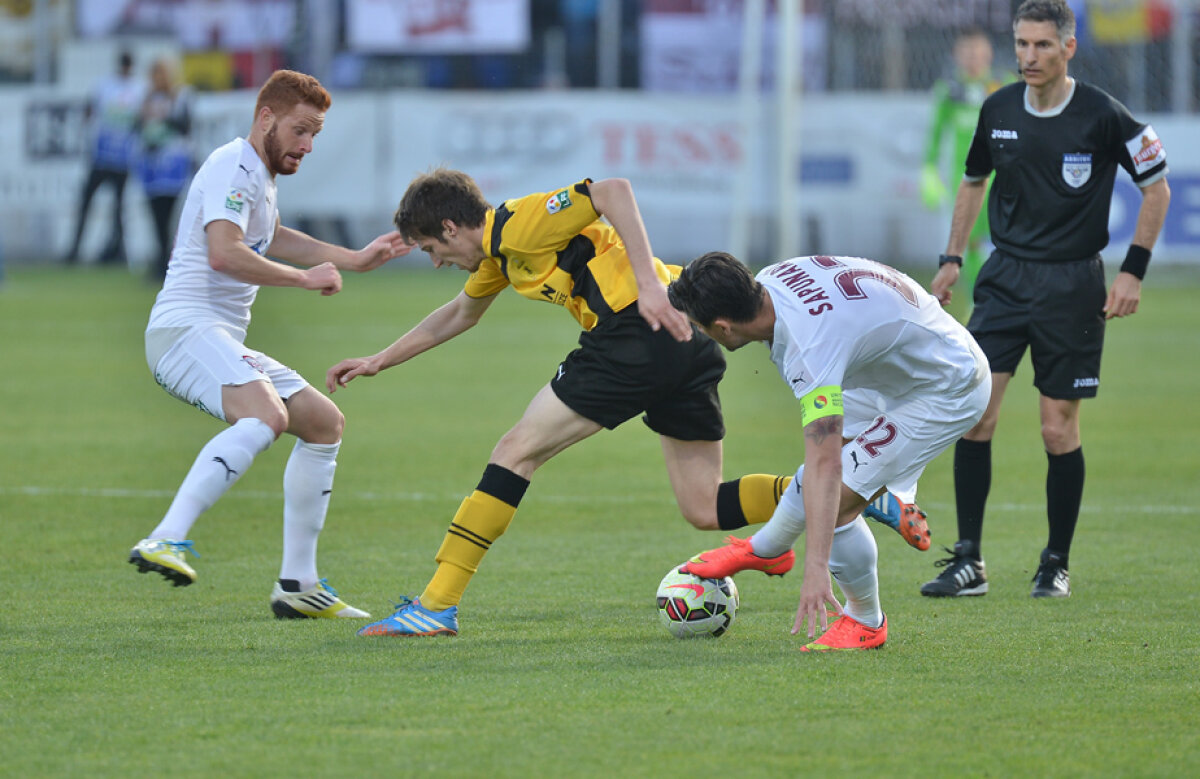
x=691, y=606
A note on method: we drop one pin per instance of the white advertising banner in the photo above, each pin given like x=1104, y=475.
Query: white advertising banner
x=437, y=26
x=858, y=173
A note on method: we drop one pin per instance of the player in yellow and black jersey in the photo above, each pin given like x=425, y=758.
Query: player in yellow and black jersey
x=637, y=355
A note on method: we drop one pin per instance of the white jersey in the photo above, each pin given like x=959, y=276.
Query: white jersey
x=232, y=184
x=867, y=328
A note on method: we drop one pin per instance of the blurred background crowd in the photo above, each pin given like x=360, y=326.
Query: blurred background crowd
x=655, y=90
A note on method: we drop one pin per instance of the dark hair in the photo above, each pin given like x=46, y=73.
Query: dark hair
x=439, y=194
x=1056, y=11
x=286, y=89
x=714, y=286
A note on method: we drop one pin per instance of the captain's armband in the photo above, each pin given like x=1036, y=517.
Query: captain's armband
x=821, y=402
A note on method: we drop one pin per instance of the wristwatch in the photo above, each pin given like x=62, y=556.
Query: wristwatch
x=945, y=258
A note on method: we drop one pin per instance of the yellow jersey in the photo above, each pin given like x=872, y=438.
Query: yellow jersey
x=554, y=247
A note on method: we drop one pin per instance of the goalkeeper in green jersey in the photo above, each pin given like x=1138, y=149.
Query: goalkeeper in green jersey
x=955, y=113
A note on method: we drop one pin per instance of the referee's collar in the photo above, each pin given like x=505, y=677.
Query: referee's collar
x=1056, y=110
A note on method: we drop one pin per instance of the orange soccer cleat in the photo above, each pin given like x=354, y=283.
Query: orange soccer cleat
x=907, y=519
x=737, y=555
x=848, y=633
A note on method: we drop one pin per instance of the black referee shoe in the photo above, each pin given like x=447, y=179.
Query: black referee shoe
x=1051, y=579
x=964, y=575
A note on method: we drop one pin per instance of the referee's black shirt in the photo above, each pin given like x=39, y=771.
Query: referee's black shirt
x=1054, y=172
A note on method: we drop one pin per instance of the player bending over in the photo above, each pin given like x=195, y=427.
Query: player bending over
x=886, y=381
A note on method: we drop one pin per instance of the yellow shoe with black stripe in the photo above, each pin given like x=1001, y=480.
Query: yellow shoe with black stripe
x=165, y=556
x=320, y=602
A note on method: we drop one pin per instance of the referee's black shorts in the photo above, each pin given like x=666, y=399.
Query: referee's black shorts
x=1054, y=308
x=622, y=368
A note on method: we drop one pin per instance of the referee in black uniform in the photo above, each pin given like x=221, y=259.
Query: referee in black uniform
x=1055, y=144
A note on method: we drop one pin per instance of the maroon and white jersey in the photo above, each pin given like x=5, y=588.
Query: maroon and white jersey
x=867, y=329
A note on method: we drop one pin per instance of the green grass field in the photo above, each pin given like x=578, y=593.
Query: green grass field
x=561, y=668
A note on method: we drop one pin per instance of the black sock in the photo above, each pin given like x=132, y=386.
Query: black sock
x=729, y=506
x=972, y=482
x=289, y=585
x=1064, y=493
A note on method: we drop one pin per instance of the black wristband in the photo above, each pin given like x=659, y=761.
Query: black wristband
x=945, y=258
x=1136, y=260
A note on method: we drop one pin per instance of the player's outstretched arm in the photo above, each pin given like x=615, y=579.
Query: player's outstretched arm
x=302, y=249
x=613, y=199
x=822, y=495
x=228, y=254
x=459, y=315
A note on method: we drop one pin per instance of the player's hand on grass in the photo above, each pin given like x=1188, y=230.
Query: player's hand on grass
x=341, y=374
x=656, y=309
x=324, y=278
x=815, y=594
x=384, y=248
x=1124, y=296
x=946, y=278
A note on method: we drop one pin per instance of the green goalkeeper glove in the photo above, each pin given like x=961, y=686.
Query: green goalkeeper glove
x=933, y=191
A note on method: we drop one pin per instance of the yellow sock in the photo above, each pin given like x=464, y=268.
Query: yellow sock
x=749, y=500
x=481, y=519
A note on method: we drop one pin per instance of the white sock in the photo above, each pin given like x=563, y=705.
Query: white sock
x=307, y=484
x=786, y=524
x=852, y=561
x=219, y=465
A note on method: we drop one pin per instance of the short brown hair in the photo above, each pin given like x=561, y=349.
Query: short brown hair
x=286, y=89
x=1054, y=11
x=439, y=194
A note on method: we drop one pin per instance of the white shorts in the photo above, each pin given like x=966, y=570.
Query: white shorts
x=895, y=440
x=205, y=359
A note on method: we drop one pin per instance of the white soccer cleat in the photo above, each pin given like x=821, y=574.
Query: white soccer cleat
x=321, y=602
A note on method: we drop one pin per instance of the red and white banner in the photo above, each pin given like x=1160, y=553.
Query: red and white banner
x=437, y=26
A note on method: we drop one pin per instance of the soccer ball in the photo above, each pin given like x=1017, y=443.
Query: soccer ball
x=691, y=606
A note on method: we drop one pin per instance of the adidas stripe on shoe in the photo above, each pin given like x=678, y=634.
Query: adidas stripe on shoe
x=320, y=602
x=413, y=619
x=963, y=574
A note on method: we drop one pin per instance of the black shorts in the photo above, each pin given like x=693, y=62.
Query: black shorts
x=623, y=368
x=1054, y=308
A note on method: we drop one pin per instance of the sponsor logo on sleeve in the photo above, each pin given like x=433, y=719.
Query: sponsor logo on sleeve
x=1076, y=169
x=235, y=201
x=1146, y=150
x=558, y=201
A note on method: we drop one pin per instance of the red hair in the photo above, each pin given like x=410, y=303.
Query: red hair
x=286, y=89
